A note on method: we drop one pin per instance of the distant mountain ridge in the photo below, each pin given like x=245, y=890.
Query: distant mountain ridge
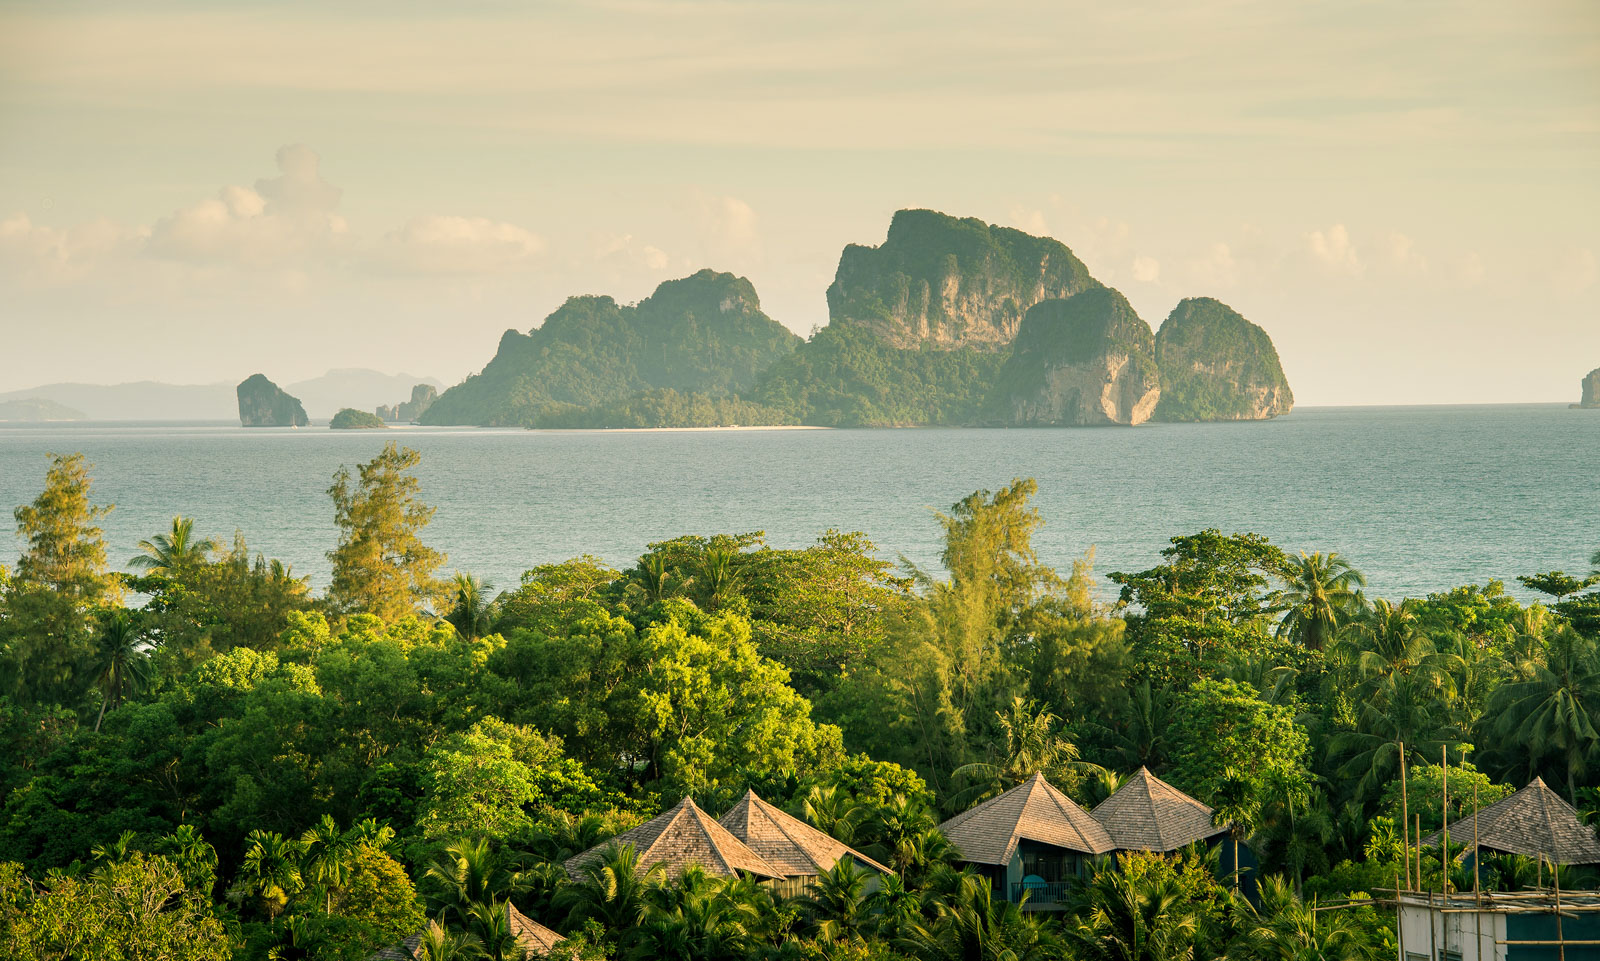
x=34, y=410
x=153, y=400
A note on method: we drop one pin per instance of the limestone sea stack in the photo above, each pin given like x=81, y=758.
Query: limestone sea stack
x=1591, y=391
x=1215, y=365
x=264, y=404
x=1088, y=360
x=422, y=397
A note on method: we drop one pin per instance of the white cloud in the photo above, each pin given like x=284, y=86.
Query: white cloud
x=1403, y=254
x=282, y=222
x=54, y=254
x=1575, y=271
x=1146, y=270
x=445, y=244
x=1332, y=248
x=1216, y=268
x=730, y=231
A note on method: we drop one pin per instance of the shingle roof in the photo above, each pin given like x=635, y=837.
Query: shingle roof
x=988, y=833
x=787, y=843
x=1535, y=821
x=679, y=838
x=1148, y=814
x=532, y=937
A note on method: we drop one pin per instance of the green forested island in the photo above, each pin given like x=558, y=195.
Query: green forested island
x=205, y=760
x=348, y=418
x=949, y=322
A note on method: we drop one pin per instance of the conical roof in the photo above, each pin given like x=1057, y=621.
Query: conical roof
x=532, y=937
x=1035, y=810
x=1535, y=821
x=787, y=843
x=1148, y=814
x=681, y=837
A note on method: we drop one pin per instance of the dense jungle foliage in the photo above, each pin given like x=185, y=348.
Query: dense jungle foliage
x=203, y=760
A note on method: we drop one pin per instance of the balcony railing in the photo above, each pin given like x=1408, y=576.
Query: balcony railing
x=1042, y=893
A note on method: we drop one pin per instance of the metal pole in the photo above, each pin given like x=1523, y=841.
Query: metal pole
x=1477, y=893
x=1444, y=819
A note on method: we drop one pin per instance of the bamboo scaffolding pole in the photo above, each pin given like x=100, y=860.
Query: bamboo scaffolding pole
x=1405, y=818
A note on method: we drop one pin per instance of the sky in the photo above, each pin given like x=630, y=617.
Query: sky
x=1405, y=195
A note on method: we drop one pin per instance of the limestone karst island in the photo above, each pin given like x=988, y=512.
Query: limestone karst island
x=949, y=322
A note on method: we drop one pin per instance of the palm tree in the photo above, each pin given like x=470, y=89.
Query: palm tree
x=895, y=906
x=1030, y=747
x=1286, y=928
x=836, y=902
x=612, y=890
x=977, y=927
x=832, y=812
x=329, y=857
x=471, y=606
x=171, y=552
x=655, y=574
x=490, y=921
x=1402, y=710
x=467, y=873
x=697, y=918
x=441, y=944
x=718, y=575
x=1554, y=712
x=1321, y=589
x=1126, y=919
x=1237, y=809
x=195, y=857
x=120, y=661
x=271, y=870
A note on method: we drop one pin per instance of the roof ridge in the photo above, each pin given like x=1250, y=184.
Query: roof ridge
x=778, y=822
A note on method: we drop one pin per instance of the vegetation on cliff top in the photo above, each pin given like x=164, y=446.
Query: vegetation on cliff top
x=703, y=334
x=349, y=418
x=1216, y=365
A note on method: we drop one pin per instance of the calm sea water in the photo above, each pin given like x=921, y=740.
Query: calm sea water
x=1420, y=498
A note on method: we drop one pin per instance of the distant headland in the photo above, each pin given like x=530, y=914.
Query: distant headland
x=949, y=322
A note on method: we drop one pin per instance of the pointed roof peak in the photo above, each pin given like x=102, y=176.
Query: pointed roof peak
x=787, y=842
x=1148, y=814
x=1535, y=821
x=1033, y=810
x=681, y=836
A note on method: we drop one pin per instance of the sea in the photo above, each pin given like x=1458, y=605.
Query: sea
x=1421, y=499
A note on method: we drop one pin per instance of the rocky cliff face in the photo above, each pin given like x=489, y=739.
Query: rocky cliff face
x=1083, y=361
x=422, y=397
x=1215, y=365
x=1591, y=390
x=946, y=282
x=264, y=404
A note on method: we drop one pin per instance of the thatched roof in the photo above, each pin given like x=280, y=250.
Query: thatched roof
x=1535, y=821
x=1033, y=810
x=1148, y=814
x=787, y=843
x=532, y=937
x=679, y=838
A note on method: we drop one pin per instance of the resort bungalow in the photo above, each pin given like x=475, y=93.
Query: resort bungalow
x=532, y=937
x=1031, y=839
x=683, y=837
x=1547, y=923
x=790, y=845
x=1148, y=814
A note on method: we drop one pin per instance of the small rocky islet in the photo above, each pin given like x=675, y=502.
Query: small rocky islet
x=949, y=322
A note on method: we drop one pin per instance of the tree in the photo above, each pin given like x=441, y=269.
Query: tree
x=1122, y=918
x=975, y=926
x=120, y=661
x=60, y=580
x=328, y=856
x=466, y=874
x=1030, y=746
x=1552, y=715
x=1222, y=726
x=836, y=903
x=270, y=873
x=381, y=566
x=172, y=552
x=612, y=889
x=1321, y=590
x=1285, y=928
x=471, y=606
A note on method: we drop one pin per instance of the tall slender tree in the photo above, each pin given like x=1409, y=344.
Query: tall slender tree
x=381, y=566
x=1322, y=590
x=174, y=550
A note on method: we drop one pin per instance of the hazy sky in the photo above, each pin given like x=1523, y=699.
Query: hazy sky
x=1406, y=195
